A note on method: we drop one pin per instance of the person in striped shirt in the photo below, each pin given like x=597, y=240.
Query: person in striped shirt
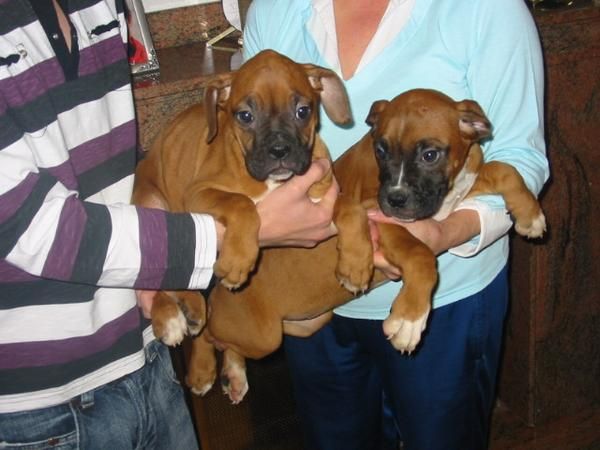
x=79, y=367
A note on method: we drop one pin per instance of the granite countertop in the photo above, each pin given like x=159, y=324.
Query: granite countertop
x=183, y=68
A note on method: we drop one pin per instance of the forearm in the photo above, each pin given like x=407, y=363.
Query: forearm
x=440, y=236
x=458, y=228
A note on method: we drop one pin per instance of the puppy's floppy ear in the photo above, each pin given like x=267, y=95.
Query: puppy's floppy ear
x=332, y=91
x=376, y=108
x=216, y=94
x=472, y=122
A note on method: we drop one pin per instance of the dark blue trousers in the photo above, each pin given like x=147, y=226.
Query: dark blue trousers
x=354, y=391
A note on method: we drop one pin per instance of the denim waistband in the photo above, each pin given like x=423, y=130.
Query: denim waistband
x=85, y=400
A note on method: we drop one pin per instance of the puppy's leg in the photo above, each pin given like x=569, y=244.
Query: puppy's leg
x=193, y=306
x=202, y=370
x=501, y=178
x=319, y=189
x=355, y=251
x=168, y=322
x=239, y=249
x=410, y=309
x=233, y=376
x=243, y=323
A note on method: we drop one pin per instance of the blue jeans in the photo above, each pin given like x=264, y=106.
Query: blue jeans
x=353, y=391
x=143, y=410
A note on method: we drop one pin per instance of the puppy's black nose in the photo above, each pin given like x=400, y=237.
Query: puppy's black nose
x=397, y=199
x=279, y=150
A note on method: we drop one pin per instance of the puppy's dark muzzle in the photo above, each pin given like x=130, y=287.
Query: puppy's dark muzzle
x=277, y=154
x=405, y=204
x=279, y=150
x=396, y=203
x=397, y=199
x=279, y=145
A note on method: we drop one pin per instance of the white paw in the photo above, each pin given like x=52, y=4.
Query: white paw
x=230, y=286
x=536, y=229
x=203, y=390
x=355, y=290
x=404, y=334
x=236, y=395
x=194, y=328
x=175, y=330
x=234, y=383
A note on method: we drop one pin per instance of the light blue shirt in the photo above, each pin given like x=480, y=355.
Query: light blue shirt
x=485, y=50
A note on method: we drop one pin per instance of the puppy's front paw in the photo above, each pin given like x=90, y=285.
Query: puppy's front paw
x=355, y=264
x=405, y=334
x=233, y=267
x=354, y=277
x=532, y=229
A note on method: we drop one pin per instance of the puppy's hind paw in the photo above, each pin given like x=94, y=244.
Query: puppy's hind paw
x=201, y=381
x=535, y=229
x=234, y=384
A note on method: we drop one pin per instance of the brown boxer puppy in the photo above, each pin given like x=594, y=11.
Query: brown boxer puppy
x=255, y=129
x=420, y=159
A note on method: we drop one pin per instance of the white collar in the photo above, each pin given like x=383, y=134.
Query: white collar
x=321, y=26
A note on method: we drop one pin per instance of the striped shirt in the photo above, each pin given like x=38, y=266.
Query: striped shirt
x=71, y=245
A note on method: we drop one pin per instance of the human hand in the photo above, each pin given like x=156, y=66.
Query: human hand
x=290, y=218
x=145, y=298
x=427, y=231
x=439, y=236
x=379, y=261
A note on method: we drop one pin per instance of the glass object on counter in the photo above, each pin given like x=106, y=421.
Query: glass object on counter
x=235, y=13
x=550, y=4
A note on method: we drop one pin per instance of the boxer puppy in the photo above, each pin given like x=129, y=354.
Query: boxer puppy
x=420, y=159
x=255, y=129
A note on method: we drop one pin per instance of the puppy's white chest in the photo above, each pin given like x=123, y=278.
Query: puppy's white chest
x=462, y=185
x=271, y=186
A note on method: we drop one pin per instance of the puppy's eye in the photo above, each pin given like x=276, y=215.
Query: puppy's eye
x=302, y=112
x=244, y=117
x=430, y=156
x=381, y=150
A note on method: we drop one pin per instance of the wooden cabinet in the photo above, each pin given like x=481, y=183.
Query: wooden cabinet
x=551, y=366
